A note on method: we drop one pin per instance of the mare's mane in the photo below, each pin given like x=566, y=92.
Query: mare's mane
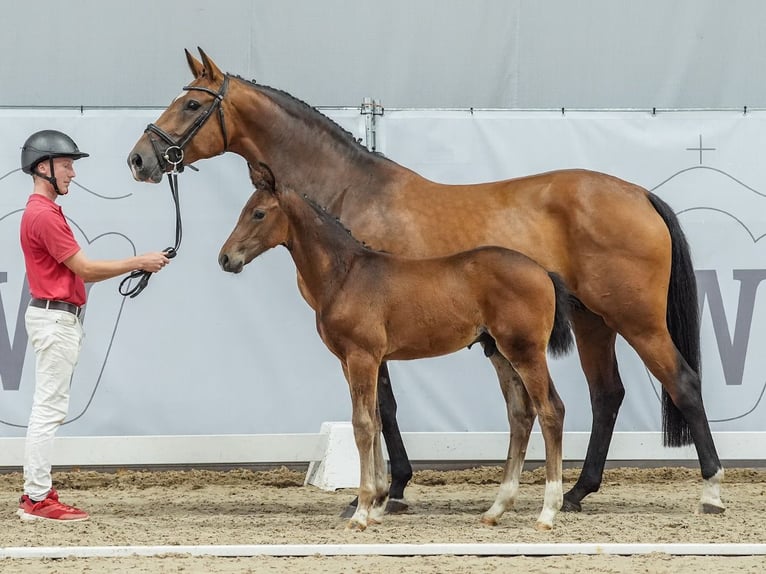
x=312, y=117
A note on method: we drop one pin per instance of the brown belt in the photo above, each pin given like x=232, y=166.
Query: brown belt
x=57, y=305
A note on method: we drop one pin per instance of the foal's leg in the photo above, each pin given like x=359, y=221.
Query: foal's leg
x=401, y=469
x=381, y=476
x=361, y=371
x=550, y=413
x=595, y=344
x=521, y=417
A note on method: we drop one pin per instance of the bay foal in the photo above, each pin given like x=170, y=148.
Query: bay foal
x=373, y=307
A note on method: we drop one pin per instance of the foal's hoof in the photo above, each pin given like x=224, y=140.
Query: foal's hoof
x=707, y=508
x=393, y=506
x=543, y=527
x=397, y=506
x=571, y=506
x=356, y=526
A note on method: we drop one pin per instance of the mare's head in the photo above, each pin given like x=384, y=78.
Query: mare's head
x=191, y=128
x=262, y=224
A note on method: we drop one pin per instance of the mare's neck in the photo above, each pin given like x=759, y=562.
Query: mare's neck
x=307, y=151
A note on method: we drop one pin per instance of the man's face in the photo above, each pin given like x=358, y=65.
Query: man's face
x=63, y=171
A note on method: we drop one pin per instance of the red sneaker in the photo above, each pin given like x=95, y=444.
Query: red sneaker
x=49, y=509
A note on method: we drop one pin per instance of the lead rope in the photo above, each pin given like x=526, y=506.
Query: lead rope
x=125, y=289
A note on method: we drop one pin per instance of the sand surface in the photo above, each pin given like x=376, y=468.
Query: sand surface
x=244, y=507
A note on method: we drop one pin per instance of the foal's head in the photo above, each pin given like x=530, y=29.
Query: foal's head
x=261, y=225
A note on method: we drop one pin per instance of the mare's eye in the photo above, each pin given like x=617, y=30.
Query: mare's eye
x=192, y=105
x=258, y=214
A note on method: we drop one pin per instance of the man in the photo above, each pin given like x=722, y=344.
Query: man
x=57, y=270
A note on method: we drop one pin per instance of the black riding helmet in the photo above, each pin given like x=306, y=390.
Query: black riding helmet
x=47, y=144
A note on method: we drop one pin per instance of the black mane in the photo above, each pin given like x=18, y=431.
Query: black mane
x=310, y=116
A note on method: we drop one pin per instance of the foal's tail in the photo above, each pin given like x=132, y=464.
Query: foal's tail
x=682, y=317
x=561, y=340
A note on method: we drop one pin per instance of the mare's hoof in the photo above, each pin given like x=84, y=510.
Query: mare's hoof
x=543, y=527
x=707, y=508
x=571, y=506
x=348, y=512
x=397, y=506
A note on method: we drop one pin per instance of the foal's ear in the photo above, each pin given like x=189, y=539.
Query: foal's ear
x=211, y=70
x=194, y=64
x=262, y=177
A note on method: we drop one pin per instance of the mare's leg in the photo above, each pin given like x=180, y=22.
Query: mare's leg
x=595, y=344
x=521, y=417
x=401, y=469
x=361, y=371
x=661, y=357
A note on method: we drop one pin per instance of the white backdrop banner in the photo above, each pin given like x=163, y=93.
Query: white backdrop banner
x=205, y=352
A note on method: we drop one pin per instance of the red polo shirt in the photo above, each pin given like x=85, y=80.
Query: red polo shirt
x=47, y=240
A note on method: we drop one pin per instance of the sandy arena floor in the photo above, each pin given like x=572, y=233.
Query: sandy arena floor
x=273, y=507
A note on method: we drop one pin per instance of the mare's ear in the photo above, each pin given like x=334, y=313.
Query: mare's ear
x=211, y=70
x=194, y=64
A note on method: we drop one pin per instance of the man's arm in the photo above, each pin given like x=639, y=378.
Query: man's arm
x=93, y=270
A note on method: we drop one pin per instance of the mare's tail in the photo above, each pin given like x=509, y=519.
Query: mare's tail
x=683, y=319
x=561, y=340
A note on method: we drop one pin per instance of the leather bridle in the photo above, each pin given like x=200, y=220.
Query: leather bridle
x=176, y=147
x=171, y=161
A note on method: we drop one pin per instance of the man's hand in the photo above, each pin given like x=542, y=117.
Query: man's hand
x=153, y=261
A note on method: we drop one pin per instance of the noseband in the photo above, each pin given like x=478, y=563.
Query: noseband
x=173, y=155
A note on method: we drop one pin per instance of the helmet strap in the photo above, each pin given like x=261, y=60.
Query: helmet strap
x=52, y=178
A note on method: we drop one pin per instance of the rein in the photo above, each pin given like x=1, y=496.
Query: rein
x=125, y=289
x=172, y=157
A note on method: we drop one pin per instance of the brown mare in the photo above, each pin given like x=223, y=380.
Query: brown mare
x=373, y=307
x=619, y=248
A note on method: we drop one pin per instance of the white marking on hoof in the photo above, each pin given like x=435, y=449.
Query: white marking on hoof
x=358, y=522
x=356, y=526
x=543, y=527
x=506, y=496
x=710, y=502
x=492, y=516
x=376, y=514
x=554, y=498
